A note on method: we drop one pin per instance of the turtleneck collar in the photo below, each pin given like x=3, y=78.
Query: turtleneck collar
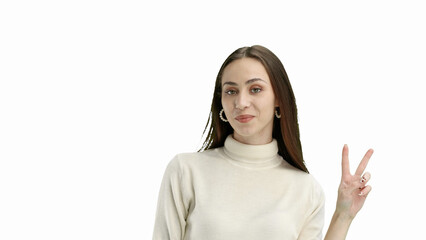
x=252, y=156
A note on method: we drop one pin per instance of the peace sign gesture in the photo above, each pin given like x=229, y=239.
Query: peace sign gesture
x=353, y=189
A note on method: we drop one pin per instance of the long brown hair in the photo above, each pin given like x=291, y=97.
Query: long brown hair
x=286, y=128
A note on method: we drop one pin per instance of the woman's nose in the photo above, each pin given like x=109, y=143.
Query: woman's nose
x=242, y=101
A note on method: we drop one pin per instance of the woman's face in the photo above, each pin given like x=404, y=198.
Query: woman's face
x=248, y=101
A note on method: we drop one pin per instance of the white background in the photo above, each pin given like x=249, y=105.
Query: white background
x=96, y=97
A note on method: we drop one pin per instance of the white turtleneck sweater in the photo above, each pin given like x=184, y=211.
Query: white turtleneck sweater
x=238, y=192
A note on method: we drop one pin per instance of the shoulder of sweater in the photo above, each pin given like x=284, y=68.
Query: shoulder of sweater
x=192, y=156
x=309, y=183
x=316, y=188
x=302, y=177
x=188, y=159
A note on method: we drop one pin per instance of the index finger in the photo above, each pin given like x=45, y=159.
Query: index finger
x=363, y=164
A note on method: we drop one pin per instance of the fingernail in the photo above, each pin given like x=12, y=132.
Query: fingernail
x=360, y=194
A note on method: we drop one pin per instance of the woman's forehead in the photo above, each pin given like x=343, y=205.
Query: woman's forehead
x=244, y=69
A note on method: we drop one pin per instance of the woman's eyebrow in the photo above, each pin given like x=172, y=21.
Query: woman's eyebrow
x=247, y=82
x=254, y=80
x=229, y=83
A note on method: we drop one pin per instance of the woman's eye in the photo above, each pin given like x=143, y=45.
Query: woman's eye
x=230, y=92
x=256, y=90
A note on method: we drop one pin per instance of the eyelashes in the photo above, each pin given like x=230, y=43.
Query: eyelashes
x=230, y=92
x=256, y=90
x=252, y=90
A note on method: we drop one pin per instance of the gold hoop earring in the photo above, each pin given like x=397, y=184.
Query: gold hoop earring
x=221, y=116
x=276, y=114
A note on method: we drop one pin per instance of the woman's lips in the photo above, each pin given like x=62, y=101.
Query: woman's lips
x=244, y=118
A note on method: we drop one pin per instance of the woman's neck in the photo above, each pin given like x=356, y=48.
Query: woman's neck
x=253, y=140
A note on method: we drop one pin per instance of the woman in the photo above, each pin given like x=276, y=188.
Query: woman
x=250, y=180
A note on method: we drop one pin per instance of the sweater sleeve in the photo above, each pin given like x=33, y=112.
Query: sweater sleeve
x=312, y=229
x=170, y=221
